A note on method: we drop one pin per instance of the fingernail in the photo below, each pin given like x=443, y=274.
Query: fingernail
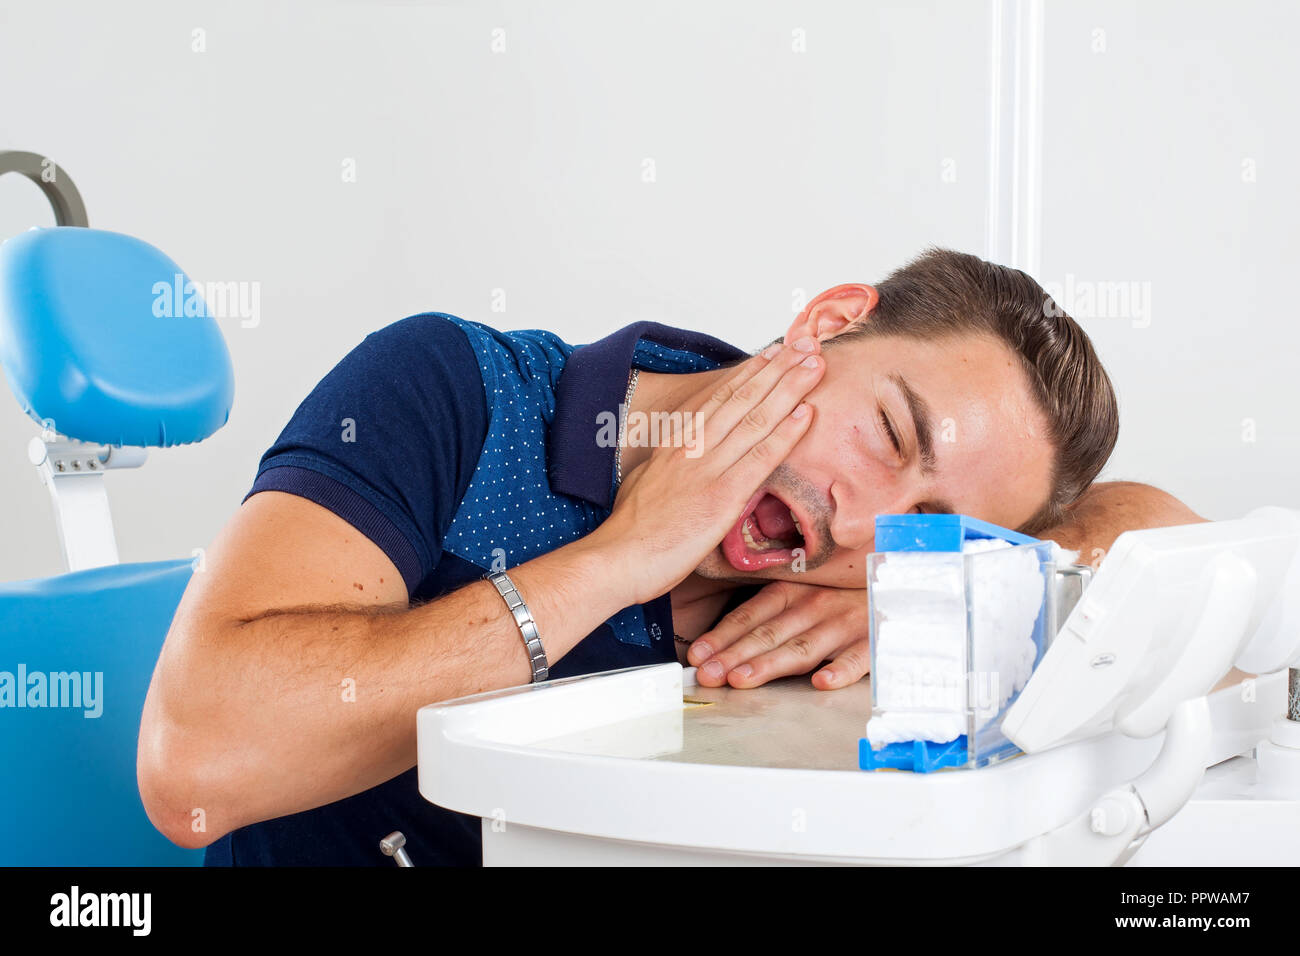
x=804, y=344
x=712, y=669
x=700, y=651
x=772, y=351
x=810, y=362
x=744, y=670
x=828, y=674
x=800, y=410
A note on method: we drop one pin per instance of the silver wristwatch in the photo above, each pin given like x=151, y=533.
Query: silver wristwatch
x=524, y=619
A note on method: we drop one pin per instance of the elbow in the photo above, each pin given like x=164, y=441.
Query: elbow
x=166, y=790
x=176, y=824
x=181, y=796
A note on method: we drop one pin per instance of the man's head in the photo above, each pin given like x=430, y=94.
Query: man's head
x=954, y=385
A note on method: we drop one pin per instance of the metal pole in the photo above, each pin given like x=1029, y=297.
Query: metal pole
x=1014, y=214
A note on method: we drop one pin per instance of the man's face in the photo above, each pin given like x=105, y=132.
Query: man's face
x=972, y=440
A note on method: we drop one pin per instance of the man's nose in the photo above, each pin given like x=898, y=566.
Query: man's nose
x=853, y=521
x=853, y=525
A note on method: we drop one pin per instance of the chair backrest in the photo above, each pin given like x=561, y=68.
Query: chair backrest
x=77, y=652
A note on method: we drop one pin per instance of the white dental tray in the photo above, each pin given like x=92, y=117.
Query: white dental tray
x=618, y=768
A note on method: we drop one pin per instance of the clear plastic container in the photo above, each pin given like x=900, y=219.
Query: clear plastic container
x=955, y=636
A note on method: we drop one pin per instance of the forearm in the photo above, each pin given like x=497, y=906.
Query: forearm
x=1107, y=510
x=292, y=709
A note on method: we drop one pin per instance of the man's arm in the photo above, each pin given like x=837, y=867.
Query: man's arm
x=1107, y=510
x=294, y=665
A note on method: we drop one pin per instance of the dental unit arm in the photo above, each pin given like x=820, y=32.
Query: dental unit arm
x=1170, y=611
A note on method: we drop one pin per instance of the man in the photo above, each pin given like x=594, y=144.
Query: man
x=348, y=589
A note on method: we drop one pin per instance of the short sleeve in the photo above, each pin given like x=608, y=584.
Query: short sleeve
x=389, y=440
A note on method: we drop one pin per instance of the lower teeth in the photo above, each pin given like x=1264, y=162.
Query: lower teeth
x=769, y=544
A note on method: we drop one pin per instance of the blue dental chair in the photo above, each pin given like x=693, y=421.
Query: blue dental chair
x=107, y=345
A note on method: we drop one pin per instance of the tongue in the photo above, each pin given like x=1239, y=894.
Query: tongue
x=773, y=518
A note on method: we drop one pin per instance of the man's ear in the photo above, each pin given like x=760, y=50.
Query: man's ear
x=833, y=311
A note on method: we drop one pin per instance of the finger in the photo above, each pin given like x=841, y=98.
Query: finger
x=687, y=429
x=752, y=468
x=761, y=635
x=731, y=405
x=752, y=365
x=767, y=604
x=849, y=666
x=744, y=372
x=797, y=654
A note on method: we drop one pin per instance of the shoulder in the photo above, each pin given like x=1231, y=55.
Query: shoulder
x=422, y=367
x=429, y=337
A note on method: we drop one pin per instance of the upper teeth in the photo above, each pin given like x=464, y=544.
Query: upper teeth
x=797, y=527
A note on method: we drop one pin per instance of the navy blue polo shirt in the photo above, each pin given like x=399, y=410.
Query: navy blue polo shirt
x=452, y=445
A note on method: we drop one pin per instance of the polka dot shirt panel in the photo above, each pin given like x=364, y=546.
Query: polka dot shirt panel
x=509, y=513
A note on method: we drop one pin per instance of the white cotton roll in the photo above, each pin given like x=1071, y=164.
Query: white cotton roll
x=892, y=728
x=922, y=683
x=936, y=572
x=907, y=603
x=930, y=636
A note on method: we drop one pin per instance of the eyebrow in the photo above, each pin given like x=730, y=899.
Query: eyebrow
x=923, y=427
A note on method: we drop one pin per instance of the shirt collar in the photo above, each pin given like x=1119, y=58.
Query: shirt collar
x=594, y=380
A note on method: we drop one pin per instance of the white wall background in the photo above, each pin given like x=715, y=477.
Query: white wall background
x=1169, y=160
x=776, y=170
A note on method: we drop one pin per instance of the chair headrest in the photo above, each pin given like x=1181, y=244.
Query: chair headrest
x=94, y=338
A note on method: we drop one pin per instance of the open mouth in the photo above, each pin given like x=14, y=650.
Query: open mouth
x=765, y=535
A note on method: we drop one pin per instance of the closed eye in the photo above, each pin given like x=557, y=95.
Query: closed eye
x=893, y=438
x=889, y=430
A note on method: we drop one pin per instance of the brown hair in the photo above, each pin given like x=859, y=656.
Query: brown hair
x=951, y=293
